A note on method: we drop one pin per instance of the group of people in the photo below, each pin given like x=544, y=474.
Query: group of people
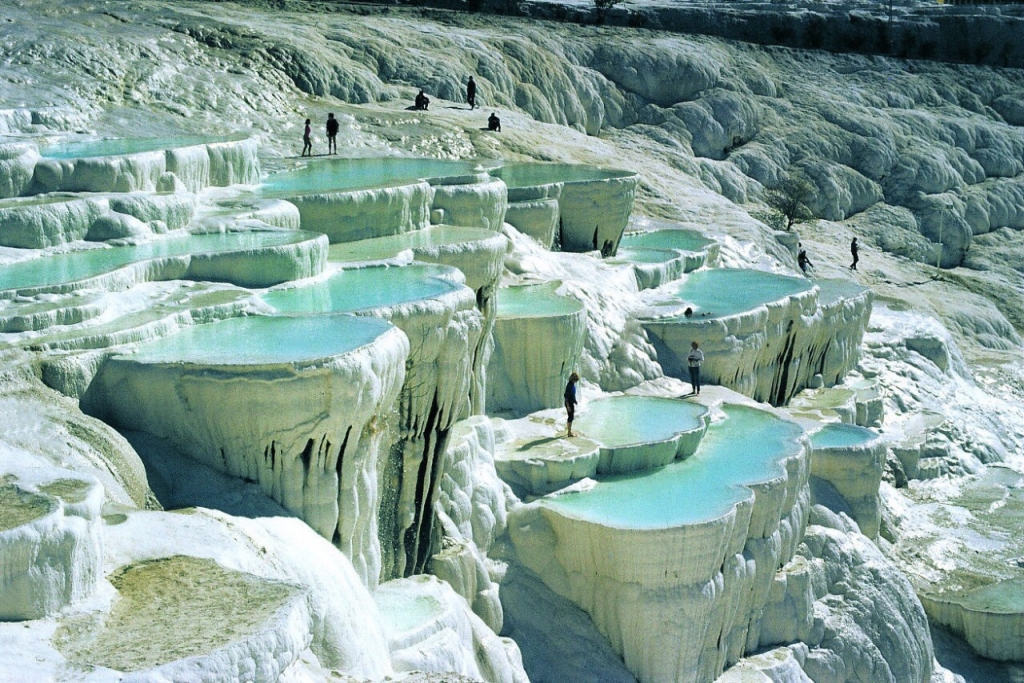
x=804, y=261
x=332, y=137
x=421, y=103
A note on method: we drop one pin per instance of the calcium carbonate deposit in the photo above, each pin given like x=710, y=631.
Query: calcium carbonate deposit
x=269, y=414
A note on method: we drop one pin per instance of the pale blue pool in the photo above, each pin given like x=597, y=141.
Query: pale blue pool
x=378, y=248
x=530, y=174
x=747, y=448
x=645, y=255
x=123, y=146
x=841, y=436
x=727, y=291
x=535, y=301
x=263, y=340
x=60, y=269
x=620, y=421
x=339, y=175
x=365, y=288
x=684, y=240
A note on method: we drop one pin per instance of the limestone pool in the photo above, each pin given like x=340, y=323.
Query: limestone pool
x=378, y=248
x=340, y=175
x=837, y=436
x=628, y=420
x=721, y=292
x=746, y=448
x=58, y=269
x=366, y=288
x=683, y=240
x=535, y=301
x=123, y=146
x=531, y=174
x=262, y=340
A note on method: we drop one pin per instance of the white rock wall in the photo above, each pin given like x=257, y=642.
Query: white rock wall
x=594, y=214
x=304, y=433
x=17, y=163
x=128, y=173
x=479, y=204
x=362, y=214
x=51, y=549
x=672, y=620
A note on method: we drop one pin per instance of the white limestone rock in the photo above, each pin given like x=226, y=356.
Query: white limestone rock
x=49, y=539
x=362, y=214
x=474, y=204
x=17, y=165
x=127, y=173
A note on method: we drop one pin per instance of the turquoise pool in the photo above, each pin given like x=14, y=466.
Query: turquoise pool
x=684, y=240
x=841, y=436
x=122, y=146
x=530, y=174
x=263, y=340
x=747, y=448
x=339, y=175
x=535, y=301
x=59, y=269
x=620, y=421
x=728, y=291
x=378, y=248
x=359, y=289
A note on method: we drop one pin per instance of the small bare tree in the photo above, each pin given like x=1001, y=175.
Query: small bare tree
x=788, y=202
x=602, y=7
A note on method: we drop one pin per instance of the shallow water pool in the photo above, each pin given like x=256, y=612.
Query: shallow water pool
x=841, y=436
x=263, y=340
x=365, y=288
x=339, y=175
x=535, y=301
x=746, y=448
x=59, y=269
x=530, y=174
x=123, y=146
x=728, y=291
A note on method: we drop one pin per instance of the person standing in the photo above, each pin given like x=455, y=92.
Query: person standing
x=570, y=401
x=471, y=93
x=332, y=134
x=853, y=250
x=693, y=361
x=307, y=141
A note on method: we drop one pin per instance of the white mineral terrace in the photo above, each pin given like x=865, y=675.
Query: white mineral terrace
x=538, y=338
x=728, y=498
x=254, y=259
x=851, y=459
x=309, y=425
x=764, y=335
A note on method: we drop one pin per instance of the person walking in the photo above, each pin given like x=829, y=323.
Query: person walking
x=803, y=261
x=307, y=141
x=471, y=93
x=854, y=249
x=570, y=401
x=693, y=361
x=332, y=134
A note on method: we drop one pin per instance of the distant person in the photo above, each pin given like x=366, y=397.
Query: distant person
x=854, y=249
x=422, y=101
x=332, y=134
x=471, y=93
x=693, y=361
x=307, y=141
x=803, y=261
x=688, y=312
x=494, y=123
x=570, y=401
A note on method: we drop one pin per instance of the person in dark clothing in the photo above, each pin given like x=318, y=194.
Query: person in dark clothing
x=570, y=400
x=307, y=141
x=471, y=93
x=854, y=249
x=693, y=362
x=803, y=261
x=494, y=123
x=332, y=134
x=422, y=101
